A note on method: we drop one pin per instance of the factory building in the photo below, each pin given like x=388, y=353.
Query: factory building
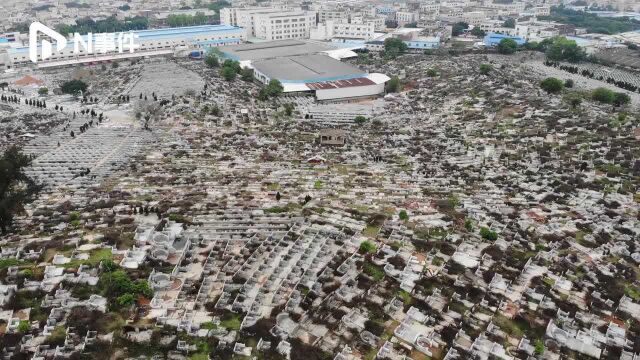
x=305, y=67
x=147, y=43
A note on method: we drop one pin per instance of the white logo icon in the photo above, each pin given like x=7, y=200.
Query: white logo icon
x=34, y=28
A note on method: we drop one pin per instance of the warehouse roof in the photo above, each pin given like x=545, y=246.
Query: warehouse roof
x=272, y=49
x=306, y=69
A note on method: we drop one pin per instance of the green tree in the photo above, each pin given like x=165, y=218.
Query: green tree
x=485, y=69
x=43, y=91
x=509, y=23
x=477, y=32
x=367, y=247
x=393, y=85
x=228, y=73
x=16, y=188
x=403, y=215
x=274, y=88
x=620, y=99
x=125, y=300
x=211, y=60
x=603, y=95
x=507, y=46
x=432, y=72
x=562, y=49
x=360, y=120
x=568, y=83
x=232, y=64
x=458, y=28
x=394, y=46
x=73, y=87
x=247, y=74
x=552, y=85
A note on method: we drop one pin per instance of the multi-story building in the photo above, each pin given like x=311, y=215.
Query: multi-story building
x=325, y=15
x=404, y=17
x=245, y=17
x=270, y=23
x=284, y=25
x=344, y=30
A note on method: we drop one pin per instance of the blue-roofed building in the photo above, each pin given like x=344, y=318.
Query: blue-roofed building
x=169, y=41
x=493, y=39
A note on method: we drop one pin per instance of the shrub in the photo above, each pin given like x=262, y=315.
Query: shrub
x=603, y=95
x=485, y=69
x=552, y=85
x=367, y=247
x=360, y=120
x=488, y=234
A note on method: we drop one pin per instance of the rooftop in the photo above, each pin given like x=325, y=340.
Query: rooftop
x=307, y=68
x=271, y=49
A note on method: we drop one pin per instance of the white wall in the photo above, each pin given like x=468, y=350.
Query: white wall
x=350, y=92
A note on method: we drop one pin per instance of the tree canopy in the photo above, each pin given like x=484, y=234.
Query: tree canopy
x=509, y=23
x=273, y=89
x=16, y=188
x=507, y=46
x=560, y=48
x=73, y=87
x=394, y=47
x=592, y=22
x=459, y=28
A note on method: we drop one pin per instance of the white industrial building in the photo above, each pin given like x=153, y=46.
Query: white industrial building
x=332, y=29
x=308, y=68
x=147, y=43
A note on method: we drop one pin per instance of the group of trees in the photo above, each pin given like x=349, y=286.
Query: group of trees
x=271, y=90
x=558, y=48
x=16, y=188
x=592, y=22
x=590, y=74
x=199, y=18
x=108, y=25
x=607, y=96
